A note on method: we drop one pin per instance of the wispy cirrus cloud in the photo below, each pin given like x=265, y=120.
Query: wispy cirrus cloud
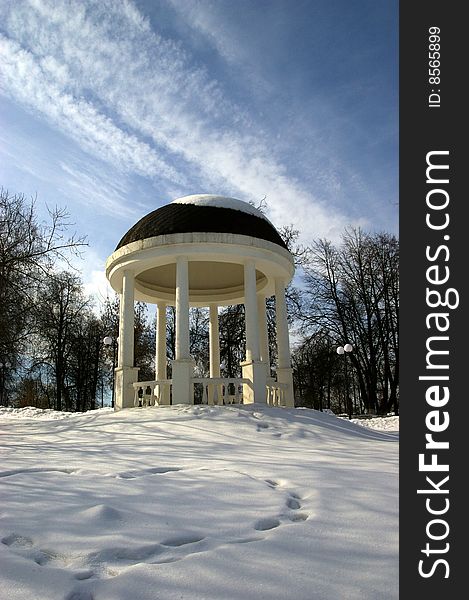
x=41, y=84
x=100, y=74
x=98, y=191
x=65, y=176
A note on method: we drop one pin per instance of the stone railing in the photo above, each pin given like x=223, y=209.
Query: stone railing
x=214, y=391
x=153, y=393
x=276, y=393
x=221, y=390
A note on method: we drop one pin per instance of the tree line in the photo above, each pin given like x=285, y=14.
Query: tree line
x=52, y=353
x=350, y=296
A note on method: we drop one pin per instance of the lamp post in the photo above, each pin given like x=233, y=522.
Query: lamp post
x=343, y=351
x=109, y=341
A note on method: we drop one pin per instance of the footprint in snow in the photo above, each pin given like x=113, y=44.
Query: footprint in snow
x=150, y=471
x=82, y=575
x=266, y=524
x=17, y=540
x=24, y=546
x=79, y=594
x=182, y=541
x=293, y=504
x=36, y=470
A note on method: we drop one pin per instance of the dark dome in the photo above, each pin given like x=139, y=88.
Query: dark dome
x=204, y=214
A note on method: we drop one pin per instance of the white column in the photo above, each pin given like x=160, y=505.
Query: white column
x=126, y=322
x=182, y=308
x=283, y=342
x=263, y=332
x=284, y=370
x=214, y=391
x=126, y=374
x=214, y=342
x=160, y=358
x=253, y=369
x=250, y=306
x=183, y=366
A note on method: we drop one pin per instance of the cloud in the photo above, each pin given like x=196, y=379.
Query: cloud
x=97, y=191
x=127, y=95
x=62, y=175
x=97, y=287
x=39, y=84
x=91, y=267
x=205, y=18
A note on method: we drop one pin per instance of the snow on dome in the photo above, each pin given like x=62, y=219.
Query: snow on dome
x=220, y=202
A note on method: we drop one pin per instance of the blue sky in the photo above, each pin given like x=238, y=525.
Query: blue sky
x=113, y=108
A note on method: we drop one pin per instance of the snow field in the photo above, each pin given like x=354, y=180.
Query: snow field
x=196, y=502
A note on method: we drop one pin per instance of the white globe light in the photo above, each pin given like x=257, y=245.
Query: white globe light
x=340, y=350
x=107, y=341
x=348, y=347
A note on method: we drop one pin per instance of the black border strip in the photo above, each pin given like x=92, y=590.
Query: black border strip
x=424, y=128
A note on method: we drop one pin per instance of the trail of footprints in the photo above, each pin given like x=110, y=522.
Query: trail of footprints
x=290, y=513
x=109, y=562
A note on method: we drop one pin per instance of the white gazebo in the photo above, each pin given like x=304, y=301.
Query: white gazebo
x=211, y=251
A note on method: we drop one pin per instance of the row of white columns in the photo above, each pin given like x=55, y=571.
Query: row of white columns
x=257, y=345
x=214, y=338
x=257, y=341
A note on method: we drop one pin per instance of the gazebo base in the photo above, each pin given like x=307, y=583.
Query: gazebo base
x=125, y=377
x=256, y=389
x=183, y=369
x=211, y=391
x=285, y=379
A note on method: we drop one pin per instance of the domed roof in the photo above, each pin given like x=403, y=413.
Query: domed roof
x=204, y=213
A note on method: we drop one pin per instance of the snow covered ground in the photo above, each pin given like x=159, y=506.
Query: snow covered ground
x=379, y=423
x=213, y=503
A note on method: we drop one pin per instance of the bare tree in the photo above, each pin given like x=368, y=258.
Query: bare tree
x=59, y=314
x=317, y=373
x=84, y=370
x=144, y=342
x=352, y=291
x=232, y=339
x=28, y=250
